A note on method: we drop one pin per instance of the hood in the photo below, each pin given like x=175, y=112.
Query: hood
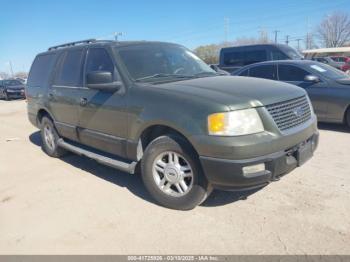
x=343, y=81
x=237, y=92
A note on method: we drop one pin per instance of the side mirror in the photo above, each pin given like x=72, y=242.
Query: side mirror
x=102, y=80
x=312, y=79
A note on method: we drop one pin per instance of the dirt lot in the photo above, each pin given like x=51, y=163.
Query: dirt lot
x=74, y=205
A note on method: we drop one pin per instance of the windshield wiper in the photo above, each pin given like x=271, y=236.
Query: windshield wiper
x=163, y=75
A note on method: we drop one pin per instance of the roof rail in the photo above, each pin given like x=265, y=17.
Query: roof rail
x=87, y=41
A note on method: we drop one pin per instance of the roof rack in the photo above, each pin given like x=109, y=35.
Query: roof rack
x=87, y=41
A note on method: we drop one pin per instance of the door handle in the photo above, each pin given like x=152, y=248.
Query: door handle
x=51, y=96
x=83, y=101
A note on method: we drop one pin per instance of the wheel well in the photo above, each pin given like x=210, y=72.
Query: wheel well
x=41, y=114
x=152, y=132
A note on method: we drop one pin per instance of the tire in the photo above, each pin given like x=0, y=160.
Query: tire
x=172, y=174
x=6, y=96
x=49, y=138
x=347, y=117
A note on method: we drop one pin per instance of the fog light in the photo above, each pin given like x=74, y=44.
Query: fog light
x=254, y=168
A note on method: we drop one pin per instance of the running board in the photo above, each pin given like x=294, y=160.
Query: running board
x=120, y=165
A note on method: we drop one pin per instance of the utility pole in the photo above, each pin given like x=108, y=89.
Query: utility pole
x=226, y=28
x=298, y=40
x=287, y=39
x=116, y=35
x=10, y=63
x=276, y=33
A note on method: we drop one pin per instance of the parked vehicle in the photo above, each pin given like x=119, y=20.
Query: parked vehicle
x=11, y=89
x=234, y=58
x=340, y=59
x=328, y=88
x=329, y=61
x=158, y=105
x=346, y=68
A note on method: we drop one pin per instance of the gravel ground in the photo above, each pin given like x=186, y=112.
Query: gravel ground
x=76, y=206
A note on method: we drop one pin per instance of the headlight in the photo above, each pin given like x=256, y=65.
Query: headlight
x=235, y=123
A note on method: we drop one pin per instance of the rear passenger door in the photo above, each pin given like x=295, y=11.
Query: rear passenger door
x=264, y=71
x=64, y=93
x=102, y=114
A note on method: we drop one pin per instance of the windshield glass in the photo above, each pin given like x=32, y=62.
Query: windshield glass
x=291, y=52
x=328, y=71
x=149, y=62
x=12, y=83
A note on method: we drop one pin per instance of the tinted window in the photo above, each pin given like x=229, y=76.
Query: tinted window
x=99, y=60
x=241, y=58
x=264, y=71
x=291, y=73
x=278, y=55
x=70, y=69
x=40, y=70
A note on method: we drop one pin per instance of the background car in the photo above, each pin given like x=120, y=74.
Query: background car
x=11, y=89
x=329, y=61
x=328, y=88
x=235, y=57
x=346, y=67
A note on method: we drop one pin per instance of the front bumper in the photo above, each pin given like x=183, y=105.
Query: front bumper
x=15, y=94
x=228, y=174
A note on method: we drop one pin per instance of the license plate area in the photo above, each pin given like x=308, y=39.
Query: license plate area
x=304, y=152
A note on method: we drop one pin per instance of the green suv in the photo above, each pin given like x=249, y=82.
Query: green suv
x=159, y=107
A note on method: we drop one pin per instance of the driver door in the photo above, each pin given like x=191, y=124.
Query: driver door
x=102, y=114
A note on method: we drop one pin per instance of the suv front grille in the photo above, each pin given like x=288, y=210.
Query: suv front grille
x=290, y=113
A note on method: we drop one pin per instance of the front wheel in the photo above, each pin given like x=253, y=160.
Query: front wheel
x=172, y=174
x=6, y=96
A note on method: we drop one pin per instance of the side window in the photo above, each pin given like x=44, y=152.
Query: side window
x=264, y=71
x=234, y=58
x=40, y=71
x=291, y=73
x=278, y=55
x=242, y=58
x=99, y=60
x=70, y=69
x=256, y=56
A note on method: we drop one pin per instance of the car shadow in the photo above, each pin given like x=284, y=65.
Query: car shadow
x=334, y=127
x=134, y=182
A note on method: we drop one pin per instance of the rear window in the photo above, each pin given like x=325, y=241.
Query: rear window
x=40, y=70
x=242, y=58
x=264, y=71
x=70, y=69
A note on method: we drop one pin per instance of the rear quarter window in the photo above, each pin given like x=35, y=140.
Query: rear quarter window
x=41, y=70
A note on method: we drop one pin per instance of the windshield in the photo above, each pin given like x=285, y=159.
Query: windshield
x=150, y=62
x=291, y=52
x=12, y=83
x=328, y=71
